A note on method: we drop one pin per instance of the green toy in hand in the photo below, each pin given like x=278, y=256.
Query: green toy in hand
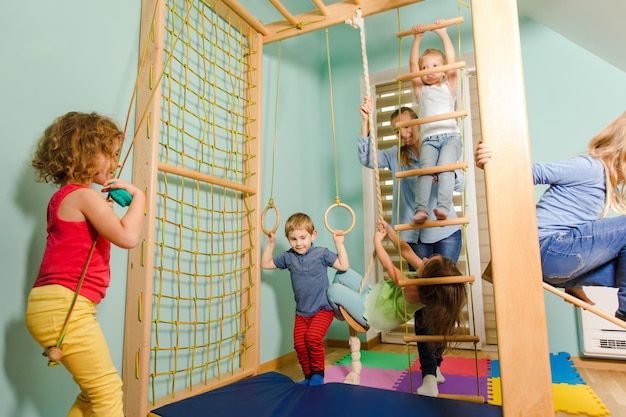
x=120, y=196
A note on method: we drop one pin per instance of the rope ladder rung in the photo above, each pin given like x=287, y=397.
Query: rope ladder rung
x=431, y=170
x=435, y=70
x=431, y=223
x=432, y=26
x=463, y=397
x=420, y=282
x=442, y=338
x=431, y=119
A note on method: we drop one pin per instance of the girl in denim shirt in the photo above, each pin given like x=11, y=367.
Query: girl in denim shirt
x=579, y=245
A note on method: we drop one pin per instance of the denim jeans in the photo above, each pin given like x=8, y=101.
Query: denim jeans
x=590, y=254
x=344, y=291
x=450, y=247
x=438, y=150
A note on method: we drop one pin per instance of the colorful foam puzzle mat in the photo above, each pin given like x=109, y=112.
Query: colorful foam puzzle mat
x=470, y=377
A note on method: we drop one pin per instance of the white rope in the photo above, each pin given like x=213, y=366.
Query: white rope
x=358, y=22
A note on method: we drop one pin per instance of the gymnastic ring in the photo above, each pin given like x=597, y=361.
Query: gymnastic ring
x=273, y=207
x=347, y=207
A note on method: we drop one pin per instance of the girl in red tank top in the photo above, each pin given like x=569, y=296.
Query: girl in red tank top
x=76, y=151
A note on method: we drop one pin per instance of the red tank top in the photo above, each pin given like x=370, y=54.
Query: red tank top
x=67, y=249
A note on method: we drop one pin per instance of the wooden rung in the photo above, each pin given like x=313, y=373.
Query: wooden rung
x=462, y=397
x=210, y=179
x=580, y=303
x=430, y=119
x=420, y=282
x=432, y=26
x=431, y=170
x=282, y=10
x=442, y=338
x=355, y=325
x=246, y=16
x=443, y=68
x=321, y=6
x=431, y=223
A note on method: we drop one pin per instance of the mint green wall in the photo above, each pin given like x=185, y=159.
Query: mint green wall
x=57, y=56
x=77, y=55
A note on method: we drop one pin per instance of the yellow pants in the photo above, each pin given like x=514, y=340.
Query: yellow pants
x=85, y=352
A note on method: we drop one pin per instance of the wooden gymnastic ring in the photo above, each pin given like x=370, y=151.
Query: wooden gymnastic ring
x=270, y=206
x=347, y=207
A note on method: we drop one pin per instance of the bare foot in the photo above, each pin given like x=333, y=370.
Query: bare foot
x=580, y=294
x=440, y=214
x=420, y=217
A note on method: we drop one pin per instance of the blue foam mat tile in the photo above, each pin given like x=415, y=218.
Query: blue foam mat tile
x=275, y=395
x=562, y=368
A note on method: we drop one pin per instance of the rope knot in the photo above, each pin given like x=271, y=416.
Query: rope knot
x=357, y=21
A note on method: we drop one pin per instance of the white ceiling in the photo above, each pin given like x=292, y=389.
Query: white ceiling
x=595, y=25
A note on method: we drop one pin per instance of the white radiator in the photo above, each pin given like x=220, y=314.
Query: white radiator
x=602, y=338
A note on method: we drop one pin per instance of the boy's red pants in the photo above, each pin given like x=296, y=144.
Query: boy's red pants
x=308, y=340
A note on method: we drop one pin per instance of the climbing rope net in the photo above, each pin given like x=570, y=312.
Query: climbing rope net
x=191, y=303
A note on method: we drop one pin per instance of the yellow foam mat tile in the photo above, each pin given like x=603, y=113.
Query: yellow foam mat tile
x=571, y=399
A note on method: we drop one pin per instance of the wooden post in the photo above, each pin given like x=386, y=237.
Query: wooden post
x=135, y=365
x=517, y=281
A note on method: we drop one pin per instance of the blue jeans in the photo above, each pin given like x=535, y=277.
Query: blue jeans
x=450, y=247
x=344, y=291
x=437, y=150
x=591, y=254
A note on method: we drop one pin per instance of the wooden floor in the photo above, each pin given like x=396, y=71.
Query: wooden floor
x=606, y=378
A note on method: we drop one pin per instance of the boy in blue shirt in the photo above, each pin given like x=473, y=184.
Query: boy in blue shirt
x=307, y=265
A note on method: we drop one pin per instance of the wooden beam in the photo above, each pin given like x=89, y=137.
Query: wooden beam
x=336, y=13
x=282, y=10
x=321, y=6
x=432, y=26
x=586, y=306
x=517, y=279
x=139, y=285
x=246, y=16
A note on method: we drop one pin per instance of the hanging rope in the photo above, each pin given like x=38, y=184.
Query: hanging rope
x=55, y=353
x=358, y=22
x=270, y=204
x=153, y=84
x=337, y=202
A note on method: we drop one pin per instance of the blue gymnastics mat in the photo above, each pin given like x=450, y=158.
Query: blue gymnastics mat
x=276, y=395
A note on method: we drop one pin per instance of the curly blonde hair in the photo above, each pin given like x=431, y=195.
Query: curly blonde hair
x=69, y=149
x=609, y=146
